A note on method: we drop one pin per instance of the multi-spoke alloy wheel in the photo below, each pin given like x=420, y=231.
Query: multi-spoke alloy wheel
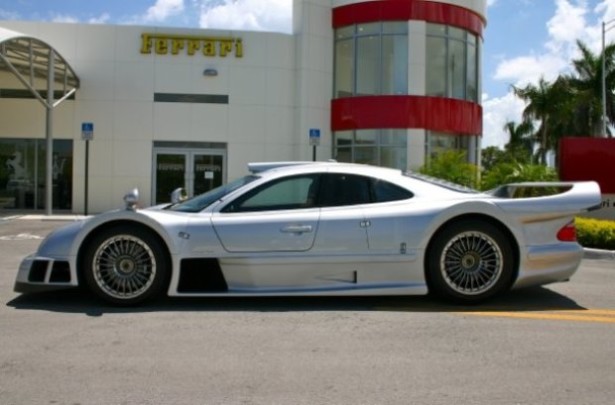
x=470, y=261
x=125, y=265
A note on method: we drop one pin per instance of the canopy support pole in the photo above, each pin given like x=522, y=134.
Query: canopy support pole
x=49, y=135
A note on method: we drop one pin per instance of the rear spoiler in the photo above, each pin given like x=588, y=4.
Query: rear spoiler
x=259, y=167
x=568, y=196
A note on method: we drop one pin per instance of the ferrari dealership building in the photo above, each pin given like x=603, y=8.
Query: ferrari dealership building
x=108, y=108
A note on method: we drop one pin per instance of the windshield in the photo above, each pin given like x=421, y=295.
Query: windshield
x=202, y=201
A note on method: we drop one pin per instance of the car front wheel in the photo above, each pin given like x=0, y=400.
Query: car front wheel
x=125, y=265
x=470, y=261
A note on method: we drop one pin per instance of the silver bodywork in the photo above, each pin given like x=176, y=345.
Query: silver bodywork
x=365, y=249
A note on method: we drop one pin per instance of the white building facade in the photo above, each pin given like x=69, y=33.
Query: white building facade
x=387, y=82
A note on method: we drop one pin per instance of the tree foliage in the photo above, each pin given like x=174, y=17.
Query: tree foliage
x=452, y=166
x=506, y=173
x=572, y=104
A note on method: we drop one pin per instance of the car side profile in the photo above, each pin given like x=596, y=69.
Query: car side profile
x=322, y=228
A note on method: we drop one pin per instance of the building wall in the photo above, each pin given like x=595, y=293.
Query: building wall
x=279, y=90
x=428, y=117
x=117, y=92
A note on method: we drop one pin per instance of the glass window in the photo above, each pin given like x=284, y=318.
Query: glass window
x=394, y=64
x=395, y=27
x=368, y=65
x=371, y=59
x=393, y=156
x=452, y=63
x=345, y=32
x=23, y=173
x=472, y=71
x=344, y=189
x=366, y=155
x=386, y=192
x=282, y=194
x=386, y=147
x=457, y=69
x=344, y=74
x=439, y=142
x=368, y=29
x=436, y=66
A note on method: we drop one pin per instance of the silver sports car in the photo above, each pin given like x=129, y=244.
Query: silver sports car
x=324, y=228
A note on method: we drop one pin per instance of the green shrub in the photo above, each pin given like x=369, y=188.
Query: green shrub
x=596, y=233
x=452, y=166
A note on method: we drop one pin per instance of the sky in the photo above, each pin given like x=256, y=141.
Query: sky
x=524, y=39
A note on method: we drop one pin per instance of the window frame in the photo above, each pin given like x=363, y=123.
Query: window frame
x=359, y=32
x=454, y=36
x=232, y=207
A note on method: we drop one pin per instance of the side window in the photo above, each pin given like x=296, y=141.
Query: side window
x=281, y=194
x=344, y=189
x=385, y=192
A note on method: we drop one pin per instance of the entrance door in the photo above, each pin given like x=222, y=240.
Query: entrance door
x=197, y=171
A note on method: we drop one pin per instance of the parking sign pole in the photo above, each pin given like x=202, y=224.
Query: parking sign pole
x=87, y=167
x=87, y=134
x=314, y=141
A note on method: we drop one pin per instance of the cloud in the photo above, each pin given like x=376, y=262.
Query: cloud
x=64, y=18
x=496, y=113
x=528, y=69
x=251, y=15
x=102, y=19
x=164, y=9
x=570, y=22
x=8, y=15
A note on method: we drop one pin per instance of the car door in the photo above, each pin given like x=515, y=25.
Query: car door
x=388, y=219
x=342, y=232
x=279, y=216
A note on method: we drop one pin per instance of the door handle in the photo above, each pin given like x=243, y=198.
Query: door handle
x=296, y=229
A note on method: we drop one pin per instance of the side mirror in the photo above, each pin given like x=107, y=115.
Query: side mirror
x=131, y=199
x=178, y=195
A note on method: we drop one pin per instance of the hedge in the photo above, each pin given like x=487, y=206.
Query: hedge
x=596, y=233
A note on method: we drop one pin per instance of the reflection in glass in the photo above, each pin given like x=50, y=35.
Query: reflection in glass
x=386, y=147
x=371, y=59
x=23, y=173
x=452, y=63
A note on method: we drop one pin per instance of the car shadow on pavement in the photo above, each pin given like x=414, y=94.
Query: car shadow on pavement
x=78, y=301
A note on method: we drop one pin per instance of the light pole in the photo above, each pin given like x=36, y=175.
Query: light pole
x=605, y=28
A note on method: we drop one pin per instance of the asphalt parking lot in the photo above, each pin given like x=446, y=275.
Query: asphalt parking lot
x=549, y=345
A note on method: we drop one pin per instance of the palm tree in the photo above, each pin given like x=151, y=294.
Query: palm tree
x=539, y=108
x=586, y=84
x=521, y=141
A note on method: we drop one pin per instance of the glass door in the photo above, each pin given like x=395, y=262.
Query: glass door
x=170, y=173
x=197, y=171
x=207, y=172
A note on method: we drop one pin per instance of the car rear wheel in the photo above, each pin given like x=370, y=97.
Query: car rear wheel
x=125, y=265
x=470, y=261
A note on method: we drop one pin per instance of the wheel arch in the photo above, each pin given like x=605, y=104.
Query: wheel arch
x=474, y=217
x=87, y=240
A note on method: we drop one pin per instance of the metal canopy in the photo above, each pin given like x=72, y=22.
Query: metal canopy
x=29, y=59
x=37, y=66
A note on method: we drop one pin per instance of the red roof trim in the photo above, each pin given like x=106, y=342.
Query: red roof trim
x=431, y=113
x=396, y=10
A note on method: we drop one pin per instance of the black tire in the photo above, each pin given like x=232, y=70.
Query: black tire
x=469, y=261
x=125, y=265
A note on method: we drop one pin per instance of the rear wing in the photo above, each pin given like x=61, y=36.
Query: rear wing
x=258, y=167
x=556, y=197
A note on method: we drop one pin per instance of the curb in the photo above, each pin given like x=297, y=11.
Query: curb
x=598, y=254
